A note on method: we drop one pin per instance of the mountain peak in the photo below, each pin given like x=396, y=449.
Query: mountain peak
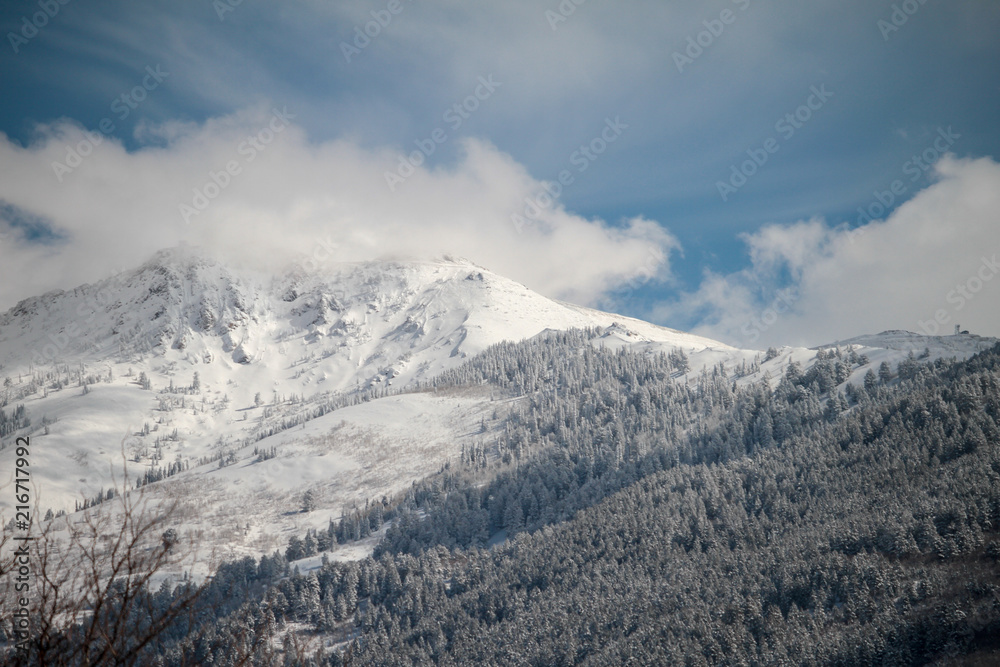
x=186, y=303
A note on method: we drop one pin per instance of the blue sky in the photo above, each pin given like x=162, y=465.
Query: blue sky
x=694, y=90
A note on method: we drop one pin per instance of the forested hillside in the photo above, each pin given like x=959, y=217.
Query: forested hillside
x=624, y=517
x=784, y=533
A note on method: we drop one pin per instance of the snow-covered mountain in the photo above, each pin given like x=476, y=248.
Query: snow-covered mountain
x=188, y=364
x=355, y=324
x=185, y=361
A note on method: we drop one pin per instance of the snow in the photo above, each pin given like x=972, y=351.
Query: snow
x=960, y=346
x=299, y=337
x=298, y=340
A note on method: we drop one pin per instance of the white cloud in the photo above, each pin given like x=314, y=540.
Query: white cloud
x=811, y=283
x=807, y=283
x=291, y=198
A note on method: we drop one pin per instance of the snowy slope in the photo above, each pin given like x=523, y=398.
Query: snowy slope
x=232, y=355
x=369, y=321
x=960, y=346
x=291, y=341
x=889, y=346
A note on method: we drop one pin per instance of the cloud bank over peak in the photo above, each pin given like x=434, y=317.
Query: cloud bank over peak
x=251, y=184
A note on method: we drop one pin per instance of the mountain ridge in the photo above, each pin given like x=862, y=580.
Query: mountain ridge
x=187, y=363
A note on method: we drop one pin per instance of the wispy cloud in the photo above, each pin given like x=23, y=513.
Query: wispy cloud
x=933, y=260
